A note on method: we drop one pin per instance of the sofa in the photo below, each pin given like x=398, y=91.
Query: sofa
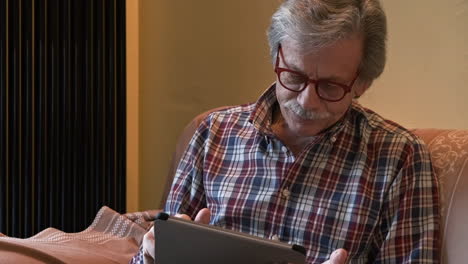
x=449, y=154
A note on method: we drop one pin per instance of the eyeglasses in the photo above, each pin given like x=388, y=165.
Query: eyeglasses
x=297, y=82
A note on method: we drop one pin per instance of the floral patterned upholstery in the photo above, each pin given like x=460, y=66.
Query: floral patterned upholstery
x=449, y=153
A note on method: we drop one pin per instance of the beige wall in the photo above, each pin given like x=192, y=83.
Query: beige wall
x=195, y=55
x=425, y=83
x=132, y=105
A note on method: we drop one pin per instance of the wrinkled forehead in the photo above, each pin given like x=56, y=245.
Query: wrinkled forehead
x=299, y=47
x=343, y=56
x=294, y=51
x=305, y=47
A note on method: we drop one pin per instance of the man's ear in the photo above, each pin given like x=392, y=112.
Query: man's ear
x=361, y=87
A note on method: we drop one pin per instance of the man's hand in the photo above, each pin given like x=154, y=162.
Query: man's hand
x=338, y=256
x=203, y=216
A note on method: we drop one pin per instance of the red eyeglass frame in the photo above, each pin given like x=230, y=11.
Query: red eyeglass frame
x=278, y=70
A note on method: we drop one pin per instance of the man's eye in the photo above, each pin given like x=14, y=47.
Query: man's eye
x=329, y=86
x=293, y=78
x=330, y=90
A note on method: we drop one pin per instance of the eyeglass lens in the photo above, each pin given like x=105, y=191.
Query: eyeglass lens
x=325, y=89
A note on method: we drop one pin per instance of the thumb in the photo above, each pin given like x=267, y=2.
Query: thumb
x=148, y=246
x=203, y=216
x=338, y=256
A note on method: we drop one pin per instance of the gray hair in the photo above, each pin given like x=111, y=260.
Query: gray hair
x=316, y=23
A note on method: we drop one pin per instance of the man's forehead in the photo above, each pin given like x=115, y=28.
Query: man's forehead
x=305, y=48
x=299, y=47
x=308, y=59
x=294, y=53
x=295, y=60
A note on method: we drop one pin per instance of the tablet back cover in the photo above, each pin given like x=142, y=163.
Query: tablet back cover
x=180, y=241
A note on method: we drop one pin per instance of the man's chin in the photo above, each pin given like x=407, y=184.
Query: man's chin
x=305, y=131
x=304, y=126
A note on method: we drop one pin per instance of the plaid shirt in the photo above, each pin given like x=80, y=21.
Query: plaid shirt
x=365, y=184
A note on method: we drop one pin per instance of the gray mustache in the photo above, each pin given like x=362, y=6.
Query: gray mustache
x=294, y=106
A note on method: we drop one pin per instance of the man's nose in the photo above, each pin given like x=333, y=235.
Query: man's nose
x=308, y=98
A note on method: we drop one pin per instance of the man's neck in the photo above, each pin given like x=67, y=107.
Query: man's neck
x=280, y=128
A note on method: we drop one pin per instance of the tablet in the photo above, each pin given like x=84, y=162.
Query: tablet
x=181, y=241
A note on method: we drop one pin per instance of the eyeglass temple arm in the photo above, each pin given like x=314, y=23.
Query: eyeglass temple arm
x=278, y=54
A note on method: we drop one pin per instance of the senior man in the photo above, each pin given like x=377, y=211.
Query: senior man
x=306, y=164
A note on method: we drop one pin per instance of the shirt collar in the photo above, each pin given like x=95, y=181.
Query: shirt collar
x=261, y=116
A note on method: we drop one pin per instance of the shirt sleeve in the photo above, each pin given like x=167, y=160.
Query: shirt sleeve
x=138, y=258
x=410, y=217
x=187, y=194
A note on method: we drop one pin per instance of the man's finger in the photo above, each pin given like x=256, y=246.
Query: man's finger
x=183, y=216
x=338, y=256
x=203, y=216
x=148, y=245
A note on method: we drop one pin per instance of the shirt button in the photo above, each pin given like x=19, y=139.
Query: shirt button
x=275, y=237
x=286, y=193
x=333, y=139
x=284, y=149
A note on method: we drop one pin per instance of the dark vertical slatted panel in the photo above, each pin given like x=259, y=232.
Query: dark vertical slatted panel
x=62, y=111
x=13, y=119
x=3, y=116
x=120, y=110
x=26, y=161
